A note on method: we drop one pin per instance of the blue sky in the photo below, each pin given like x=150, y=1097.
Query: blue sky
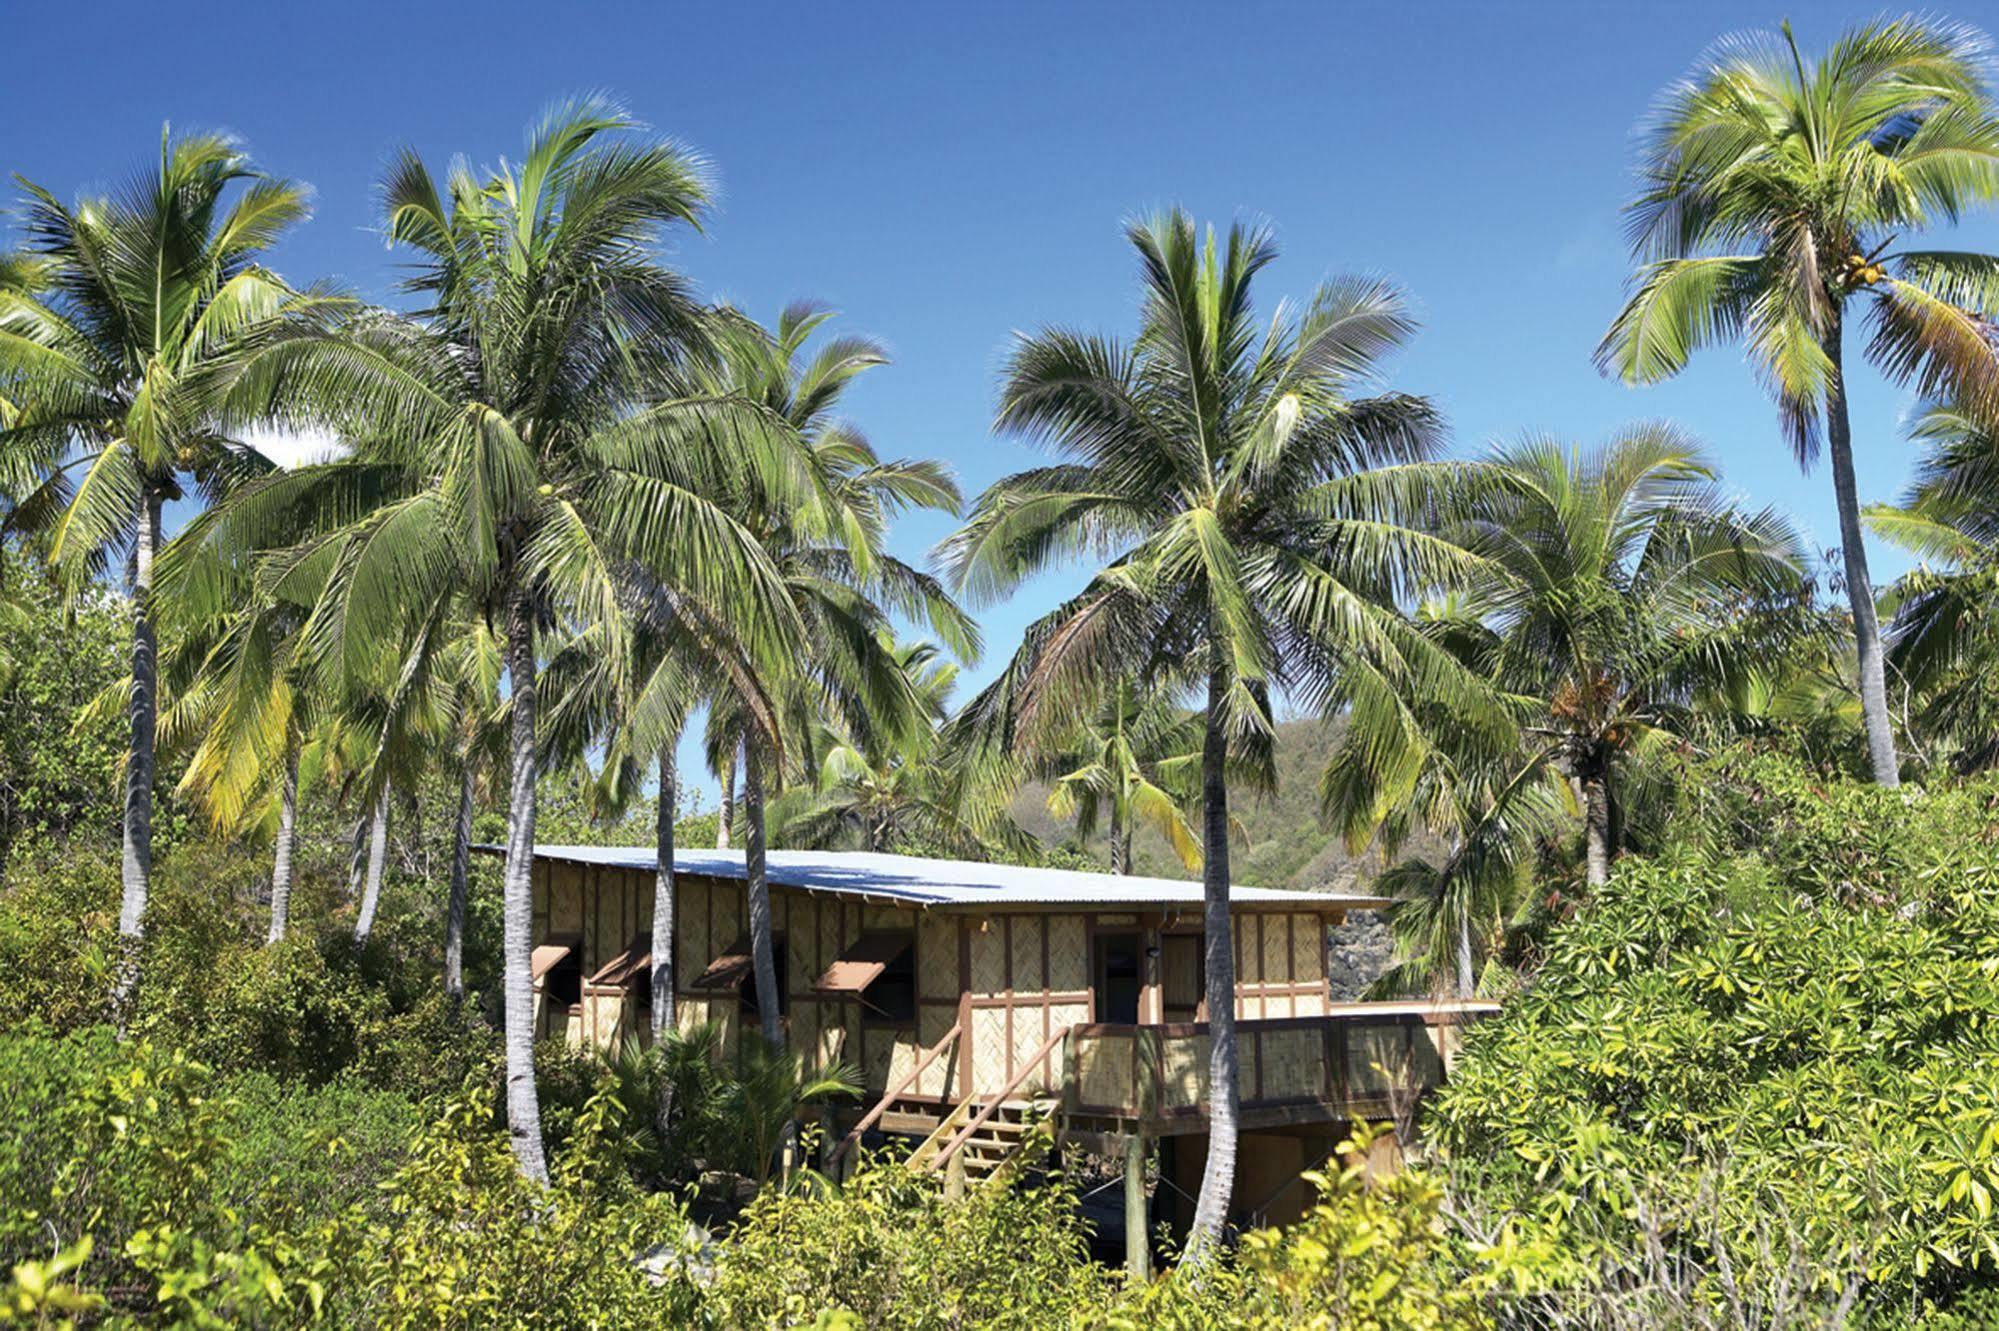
x=945, y=175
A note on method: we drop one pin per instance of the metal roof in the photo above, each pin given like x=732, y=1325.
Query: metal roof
x=917, y=881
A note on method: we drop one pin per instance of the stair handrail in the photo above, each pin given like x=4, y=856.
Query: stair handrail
x=874, y=1116
x=991, y=1107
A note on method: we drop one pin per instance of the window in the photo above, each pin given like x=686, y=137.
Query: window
x=747, y=991
x=891, y=999
x=563, y=984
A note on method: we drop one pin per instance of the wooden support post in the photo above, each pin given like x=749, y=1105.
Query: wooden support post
x=954, y=1177
x=1137, y=1241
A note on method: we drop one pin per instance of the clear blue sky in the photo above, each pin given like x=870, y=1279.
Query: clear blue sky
x=946, y=174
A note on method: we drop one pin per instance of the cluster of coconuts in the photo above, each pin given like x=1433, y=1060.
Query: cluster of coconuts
x=1861, y=273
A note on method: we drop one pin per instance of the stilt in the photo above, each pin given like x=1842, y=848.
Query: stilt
x=1137, y=1241
x=954, y=1178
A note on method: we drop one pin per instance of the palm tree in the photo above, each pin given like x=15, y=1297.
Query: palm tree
x=1778, y=193
x=1229, y=474
x=1618, y=587
x=841, y=580
x=115, y=320
x=527, y=434
x=887, y=792
x=1944, y=641
x=1131, y=759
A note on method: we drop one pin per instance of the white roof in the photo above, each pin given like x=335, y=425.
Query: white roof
x=926, y=882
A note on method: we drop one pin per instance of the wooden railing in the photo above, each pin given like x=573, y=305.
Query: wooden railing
x=894, y=1093
x=1362, y=1060
x=994, y=1101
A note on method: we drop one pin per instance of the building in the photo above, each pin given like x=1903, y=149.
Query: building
x=979, y=1000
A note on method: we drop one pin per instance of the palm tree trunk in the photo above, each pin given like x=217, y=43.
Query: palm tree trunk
x=281, y=865
x=378, y=848
x=663, y=928
x=762, y=954
x=142, y=710
x=1859, y=585
x=461, y=868
x=517, y=898
x=663, y=903
x=1211, y=1210
x=726, y=815
x=1467, y=981
x=1596, y=825
x=1120, y=846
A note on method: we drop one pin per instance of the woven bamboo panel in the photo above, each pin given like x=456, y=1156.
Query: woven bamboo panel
x=1117, y=919
x=1427, y=1054
x=883, y=919
x=1276, y=949
x=1183, y=1072
x=1376, y=1058
x=1068, y=958
x=988, y=963
x=1294, y=1064
x=1026, y=935
x=1027, y=1038
x=690, y=1012
x=565, y=910
x=937, y=958
x=901, y=1058
x=1308, y=950
x=877, y=1048
x=832, y=1042
x=1103, y=1070
x=1249, y=1055
x=729, y=921
x=989, y=1050
x=691, y=952
x=1066, y=1014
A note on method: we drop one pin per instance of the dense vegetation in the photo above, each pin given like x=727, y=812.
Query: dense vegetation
x=1718, y=824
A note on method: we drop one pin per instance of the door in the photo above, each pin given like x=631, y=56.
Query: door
x=1117, y=977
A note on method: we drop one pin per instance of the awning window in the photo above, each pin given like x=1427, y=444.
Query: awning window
x=863, y=963
x=629, y=969
x=547, y=957
x=727, y=970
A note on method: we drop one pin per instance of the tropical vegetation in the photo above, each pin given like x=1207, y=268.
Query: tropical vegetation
x=1716, y=823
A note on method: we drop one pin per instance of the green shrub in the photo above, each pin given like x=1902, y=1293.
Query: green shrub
x=1776, y=1062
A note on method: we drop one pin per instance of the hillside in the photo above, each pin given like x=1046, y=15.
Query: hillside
x=1285, y=844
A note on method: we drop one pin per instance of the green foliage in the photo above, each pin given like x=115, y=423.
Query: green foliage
x=1781, y=1037
x=887, y=1249
x=58, y=775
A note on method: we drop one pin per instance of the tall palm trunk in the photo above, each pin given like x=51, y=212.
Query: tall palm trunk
x=1596, y=824
x=1120, y=843
x=1467, y=981
x=142, y=710
x=762, y=956
x=1859, y=585
x=281, y=864
x=461, y=869
x=517, y=898
x=726, y=815
x=663, y=929
x=378, y=849
x=663, y=901
x=1211, y=1210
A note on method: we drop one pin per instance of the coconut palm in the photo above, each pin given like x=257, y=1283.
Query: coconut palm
x=1778, y=195
x=112, y=324
x=1944, y=641
x=524, y=436
x=1618, y=587
x=891, y=792
x=1227, y=471
x=839, y=577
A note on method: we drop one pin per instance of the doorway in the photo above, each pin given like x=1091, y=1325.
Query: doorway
x=1118, y=976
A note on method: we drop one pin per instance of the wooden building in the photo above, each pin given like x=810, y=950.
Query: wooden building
x=979, y=1000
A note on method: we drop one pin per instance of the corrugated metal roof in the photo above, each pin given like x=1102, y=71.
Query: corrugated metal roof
x=926, y=882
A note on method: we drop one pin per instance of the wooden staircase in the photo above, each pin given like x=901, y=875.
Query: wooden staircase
x=984, y=1139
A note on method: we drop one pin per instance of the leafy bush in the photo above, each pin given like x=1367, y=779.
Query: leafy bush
x=1773, y=1061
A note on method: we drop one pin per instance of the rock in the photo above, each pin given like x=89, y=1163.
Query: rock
x=1357, y=952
